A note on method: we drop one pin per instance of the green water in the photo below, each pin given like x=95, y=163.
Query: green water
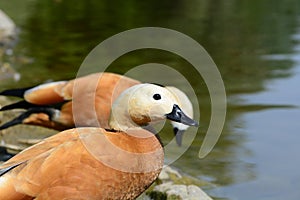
x=255, y=45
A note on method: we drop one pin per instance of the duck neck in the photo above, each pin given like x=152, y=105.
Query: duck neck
x=120, y=119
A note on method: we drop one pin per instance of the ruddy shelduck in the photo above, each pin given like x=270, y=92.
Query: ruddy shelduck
x=52, y=104
x=96, y=163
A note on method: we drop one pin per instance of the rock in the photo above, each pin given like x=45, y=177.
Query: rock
x=170, y=191
x=8, y=72
x=19, y=137
x=171, y=174
x=8, y=39
x=167, y=172
x=173, y=185
x=195, y=192
x=7, y=27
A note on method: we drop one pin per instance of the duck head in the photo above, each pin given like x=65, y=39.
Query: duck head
x=145, y=103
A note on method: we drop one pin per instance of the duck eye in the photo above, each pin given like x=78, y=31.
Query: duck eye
x=156, y=96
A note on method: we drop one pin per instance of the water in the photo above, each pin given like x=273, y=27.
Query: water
x=255, y=45
x=271, y=136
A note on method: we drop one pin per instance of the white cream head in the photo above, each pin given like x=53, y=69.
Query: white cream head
x=144, y=103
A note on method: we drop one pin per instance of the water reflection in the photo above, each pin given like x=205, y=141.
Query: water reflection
x=243, y=38
x=272, y=135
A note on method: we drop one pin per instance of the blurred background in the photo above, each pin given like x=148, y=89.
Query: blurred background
x=255, y=44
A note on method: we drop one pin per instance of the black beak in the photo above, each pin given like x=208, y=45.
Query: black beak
x=178, y=116
x=178, y=135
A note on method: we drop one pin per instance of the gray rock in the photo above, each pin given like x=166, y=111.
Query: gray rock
x=7, y=26
x=167, y=172
x=197, y=193
x=173, y=185
x=8, y=72
x=8, y=39
x=19, y=137
x=179, y=192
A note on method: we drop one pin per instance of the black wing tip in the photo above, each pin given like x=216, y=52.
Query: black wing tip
x=20, y=104
x=7, y=169
x=19, y=120
x=19, y=92
x=13, y=122
x=4, y=155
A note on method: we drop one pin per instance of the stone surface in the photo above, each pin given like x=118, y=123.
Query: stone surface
x=19, y=137
x=8, y=39
x=167, y=171
x=7, y=26
x=8, y=72
x=172, y=191
x=173, y=185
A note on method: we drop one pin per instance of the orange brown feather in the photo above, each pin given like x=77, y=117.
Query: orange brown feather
x=79, y=97
x=62, y=167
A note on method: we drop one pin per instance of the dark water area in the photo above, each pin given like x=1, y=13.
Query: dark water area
x=255, y=44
